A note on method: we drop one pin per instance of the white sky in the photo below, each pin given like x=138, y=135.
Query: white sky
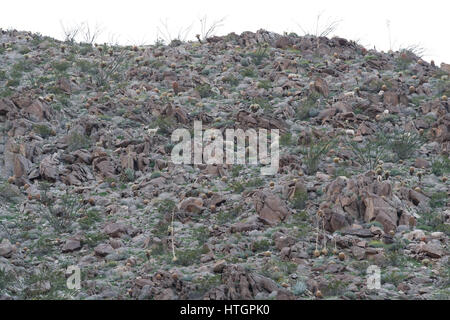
x=423, y=23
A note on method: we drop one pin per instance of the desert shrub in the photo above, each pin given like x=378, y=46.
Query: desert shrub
x=370, y=153
x=403, y=61
x=443, y=86
x=237, y=187
x=164, y=125
x=334, y=288
x=299, y=199
x=76, y=141
x=309, y=103
x=43, y=130
x=254, y=183
x=166, y=206
x=438, y=199
x=236, y=170
x=259, y=54
x=278, y=270
x=6, y=278
x=433, y=221
x=127, y=175
x=86, y=66
x=286, y=139
x=314, y=152
x=248, y=72
x=393, y=277
x=299, y=288
x=60, y=213
x=90, y=218
x=13, y=82
x=187, y=257
x=261, y=245
x=22, y=66
x=61, y=66
x=36, y=282
x=108, y=67
x=441, y=166
x=201, y=234
x=203, y=285
x=204, y=90
x=265, y=84
x=231, y=80
x=405, y=144
x=228, y=216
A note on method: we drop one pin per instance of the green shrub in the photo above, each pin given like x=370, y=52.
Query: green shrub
x=261, y=245
x=77, y=141
x=314, y=152
x=43, y=130
x=128, y=175
x=438, y=199
x=299, y=288
x=405, y=144
x=187, y=257
x=259, y=54
x=370, y=153
x=60, y=213
x=164, y=125
x=299, y=200
x=254, y=183
x=441, y=166
x=286, y=139
x=61, y=66
x=248, y=72
x=204, y=90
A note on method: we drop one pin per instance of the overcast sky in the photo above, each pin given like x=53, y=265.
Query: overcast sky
x=422, y=23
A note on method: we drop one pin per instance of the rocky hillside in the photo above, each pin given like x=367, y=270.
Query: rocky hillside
x=87, y=179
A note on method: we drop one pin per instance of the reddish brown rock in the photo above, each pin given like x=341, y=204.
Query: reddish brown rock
x=192, y=204
x=269, y=207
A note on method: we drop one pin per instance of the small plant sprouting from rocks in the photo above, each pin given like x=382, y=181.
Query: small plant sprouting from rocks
x=299, y=288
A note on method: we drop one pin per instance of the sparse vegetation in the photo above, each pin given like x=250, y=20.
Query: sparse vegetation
x=61, y=213
x=368, y=154
x=405, y=144
x=314, y=152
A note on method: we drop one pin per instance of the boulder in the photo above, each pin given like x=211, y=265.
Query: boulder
x=269, y=207
x=103, y=250
x=191, y=204
x=6, y=248
x=71, y=245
